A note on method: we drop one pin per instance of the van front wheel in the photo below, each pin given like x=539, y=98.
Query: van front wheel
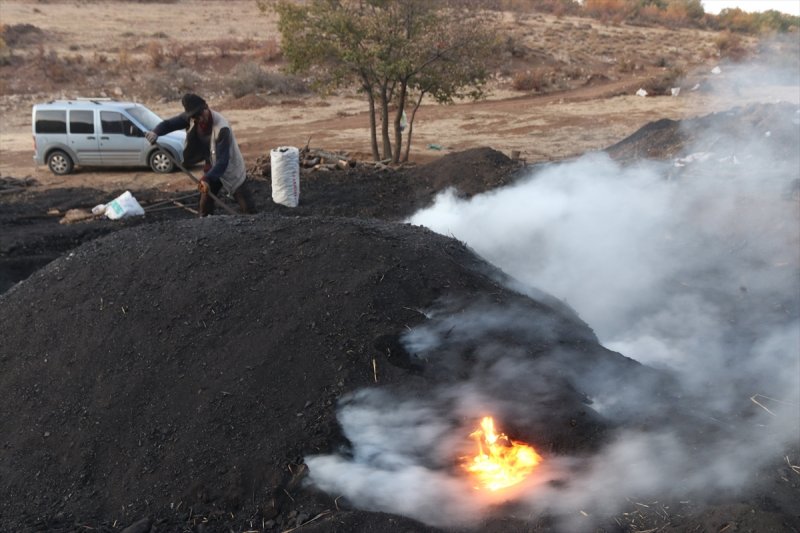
x=59, y=163
x=160, y=162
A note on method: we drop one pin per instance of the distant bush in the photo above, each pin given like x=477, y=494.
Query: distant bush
x=757, y=23
x=248, y=77
x=155, y=51
x=660, y=85
x=54, y=68
x=5, y=53
x=532, y=80
x=600, y=8
x=689, y=13
x=731, y=46
x=269, y=50
x=20, y=35
x=174, y=84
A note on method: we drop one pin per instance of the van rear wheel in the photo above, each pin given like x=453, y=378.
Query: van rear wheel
x=160, y=162
x=60, y=163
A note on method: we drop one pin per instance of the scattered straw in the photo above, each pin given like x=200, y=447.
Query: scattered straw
x=794, y=468
x=320, y=515
x=761, y=405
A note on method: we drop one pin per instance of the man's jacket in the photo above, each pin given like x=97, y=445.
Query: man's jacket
x=219, y=149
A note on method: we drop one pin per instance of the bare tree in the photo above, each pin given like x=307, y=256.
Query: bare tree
x=392, y=49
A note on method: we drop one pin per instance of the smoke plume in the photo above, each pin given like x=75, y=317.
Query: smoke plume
x=690, y=267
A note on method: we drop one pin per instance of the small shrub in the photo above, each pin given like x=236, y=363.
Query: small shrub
x=626, y=65
x=730, y=46
x=5, y=53
x=270, y=50
x=173, y=85
x=248, y=77
x=156, y=54
x=125, y=62
x=531, y=80
x=53, y=67
x=662, y=84
x=177, y=55
x=21, y=35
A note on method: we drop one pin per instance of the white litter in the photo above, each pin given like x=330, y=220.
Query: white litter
x=716, y=70
x=641, y=92
x=696, y=157
x=123, y=206
x=675, y=91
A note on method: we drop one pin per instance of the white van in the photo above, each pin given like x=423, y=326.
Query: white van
x=100, y=132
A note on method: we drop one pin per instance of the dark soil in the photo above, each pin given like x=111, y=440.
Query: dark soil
x=169, y=373
x=736, y=131
x=31, y=237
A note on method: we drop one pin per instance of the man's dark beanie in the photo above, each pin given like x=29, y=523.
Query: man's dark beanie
x=193, y=104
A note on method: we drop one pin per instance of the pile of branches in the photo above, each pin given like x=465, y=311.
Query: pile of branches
x=316, y=160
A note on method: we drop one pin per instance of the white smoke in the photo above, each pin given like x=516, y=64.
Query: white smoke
x=695, y=271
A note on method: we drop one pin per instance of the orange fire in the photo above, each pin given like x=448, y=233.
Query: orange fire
x=501, y=462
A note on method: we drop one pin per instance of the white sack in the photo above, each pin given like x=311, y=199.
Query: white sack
x=285, y=164
x=641, y=92
x=124, y=205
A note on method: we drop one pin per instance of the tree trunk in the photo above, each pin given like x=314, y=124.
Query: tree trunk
x=366, y=85
x=411, y=126
x=385, y=101
x=373, y=126
x=398, y=133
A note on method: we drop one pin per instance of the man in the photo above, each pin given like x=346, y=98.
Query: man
x=209, y=138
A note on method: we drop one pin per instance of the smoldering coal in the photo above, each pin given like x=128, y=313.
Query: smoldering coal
x=692, y=270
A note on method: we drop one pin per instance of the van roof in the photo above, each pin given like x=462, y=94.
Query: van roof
x=86, y=103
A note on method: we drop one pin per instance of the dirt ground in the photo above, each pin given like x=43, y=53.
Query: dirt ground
x=167, y=373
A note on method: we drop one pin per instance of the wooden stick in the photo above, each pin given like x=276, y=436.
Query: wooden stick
x=211, y=194
x=179, y=204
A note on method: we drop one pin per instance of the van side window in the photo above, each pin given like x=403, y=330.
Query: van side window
x=81, y=121
x=113, y=122
x=51, y=121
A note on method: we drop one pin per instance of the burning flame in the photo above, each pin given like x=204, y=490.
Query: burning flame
x=501, y=462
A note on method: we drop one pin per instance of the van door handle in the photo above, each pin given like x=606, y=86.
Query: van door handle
x=105, y=138
x=91, y=137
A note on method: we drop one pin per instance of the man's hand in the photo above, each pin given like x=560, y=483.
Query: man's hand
x=202, y=185
x=151, y=137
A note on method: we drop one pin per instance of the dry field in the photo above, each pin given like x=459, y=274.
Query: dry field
x=585, y=76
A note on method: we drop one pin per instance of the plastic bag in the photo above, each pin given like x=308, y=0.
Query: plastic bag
x=124, y=205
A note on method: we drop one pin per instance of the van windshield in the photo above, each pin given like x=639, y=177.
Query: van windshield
x=144, y=116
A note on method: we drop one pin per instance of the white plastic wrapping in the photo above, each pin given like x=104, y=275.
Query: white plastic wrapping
x=285, y=164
